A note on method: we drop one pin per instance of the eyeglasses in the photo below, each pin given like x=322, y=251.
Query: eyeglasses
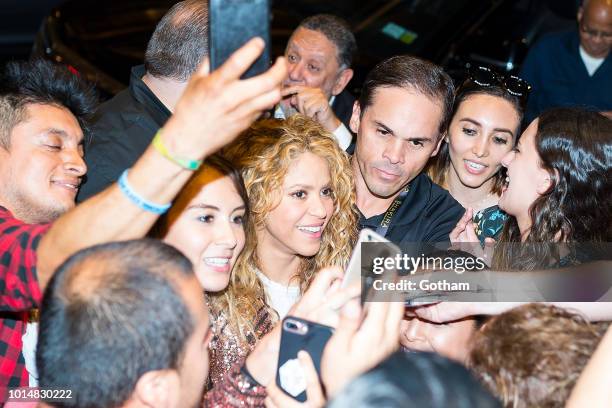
x=606, y=36
x=485, y=76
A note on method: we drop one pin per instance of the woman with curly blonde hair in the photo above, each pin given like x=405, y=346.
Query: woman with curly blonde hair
x=302, y=218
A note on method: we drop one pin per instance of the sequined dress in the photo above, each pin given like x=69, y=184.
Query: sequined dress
x=227, y=349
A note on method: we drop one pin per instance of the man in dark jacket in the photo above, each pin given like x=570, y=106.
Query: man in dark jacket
x=403, y=112
x=319, y=57
x=125, y=125
x=573, y=68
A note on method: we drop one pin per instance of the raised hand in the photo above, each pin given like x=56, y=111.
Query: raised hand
x=314, y=394
x=216, y=107
x=313, y=103
x=360, y=343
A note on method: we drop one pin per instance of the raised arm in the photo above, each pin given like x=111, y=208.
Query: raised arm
x=213, y=110
x=594, y=387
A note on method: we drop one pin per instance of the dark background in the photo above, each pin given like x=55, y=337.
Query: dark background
x=103, y=39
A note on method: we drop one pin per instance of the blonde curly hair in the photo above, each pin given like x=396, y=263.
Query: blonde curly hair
x=264, y=154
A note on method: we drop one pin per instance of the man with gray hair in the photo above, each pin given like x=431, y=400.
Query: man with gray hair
x=573, y=67
x=319, y=56
x=125, y=125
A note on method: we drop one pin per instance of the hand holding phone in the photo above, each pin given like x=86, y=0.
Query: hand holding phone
x=297, y=335
x=314, y=391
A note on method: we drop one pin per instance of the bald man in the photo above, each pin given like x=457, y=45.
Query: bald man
x=573, y=68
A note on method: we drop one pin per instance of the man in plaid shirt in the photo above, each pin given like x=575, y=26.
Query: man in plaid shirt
x=42, y=112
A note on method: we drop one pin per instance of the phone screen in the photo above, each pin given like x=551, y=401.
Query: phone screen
x=233, y=23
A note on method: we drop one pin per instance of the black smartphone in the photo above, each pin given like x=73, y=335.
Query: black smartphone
x=299, y=334
x=234, y=22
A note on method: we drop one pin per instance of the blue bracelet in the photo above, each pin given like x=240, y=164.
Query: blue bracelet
x=138, y=200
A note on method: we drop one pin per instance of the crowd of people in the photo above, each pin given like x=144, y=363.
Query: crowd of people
x=211, y=207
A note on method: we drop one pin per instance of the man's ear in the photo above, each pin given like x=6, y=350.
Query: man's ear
x=158, y=389
x=437, y=149
x=579, y=15
x=342, y=81
x=355, y=118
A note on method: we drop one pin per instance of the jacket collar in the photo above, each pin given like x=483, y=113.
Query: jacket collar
x=141, y=92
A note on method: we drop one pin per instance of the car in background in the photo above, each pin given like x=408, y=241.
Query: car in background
x=102, y=40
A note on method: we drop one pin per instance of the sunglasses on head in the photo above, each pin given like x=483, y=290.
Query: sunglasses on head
x=485, y=76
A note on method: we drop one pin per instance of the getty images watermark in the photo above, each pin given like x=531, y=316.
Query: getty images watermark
x=424, y=273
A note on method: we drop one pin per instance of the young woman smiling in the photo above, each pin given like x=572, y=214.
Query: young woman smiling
x=484, y=128
x=301, y=195
x=207, y=223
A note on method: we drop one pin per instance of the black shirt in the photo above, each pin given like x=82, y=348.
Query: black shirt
x=123, y=128
x=427, y=214
x=343, y=107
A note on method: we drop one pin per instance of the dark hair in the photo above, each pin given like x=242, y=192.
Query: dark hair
x=41, y=82
x=406, y=71
x=180, y=41
x=110, y=314
x=193, y=187
x=338, y=31
x=440, y=163
x=531, y=356
x=575, y=147
x=415, y=380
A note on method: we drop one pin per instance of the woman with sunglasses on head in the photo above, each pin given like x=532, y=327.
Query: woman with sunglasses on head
x=558, y=187
x=484, y=127
x=558, y=190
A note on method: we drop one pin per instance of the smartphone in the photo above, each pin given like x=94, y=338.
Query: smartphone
x=299, y=334
x=360, y=267
x=234, y=22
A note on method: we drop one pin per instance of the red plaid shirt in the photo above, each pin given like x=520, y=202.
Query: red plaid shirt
x=19, y=292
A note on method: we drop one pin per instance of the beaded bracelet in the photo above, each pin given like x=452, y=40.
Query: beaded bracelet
x=188, y=164
x=137, y=199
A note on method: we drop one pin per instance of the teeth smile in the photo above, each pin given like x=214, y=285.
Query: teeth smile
x=68, y=185
x=310, y=229
x=474, y=166
x=216, y=261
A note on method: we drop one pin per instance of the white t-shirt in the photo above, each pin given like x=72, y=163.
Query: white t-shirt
x=278, y=296
x=30, y=339
x=590, y=63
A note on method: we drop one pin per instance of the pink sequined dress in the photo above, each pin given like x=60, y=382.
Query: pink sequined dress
x=227, y=349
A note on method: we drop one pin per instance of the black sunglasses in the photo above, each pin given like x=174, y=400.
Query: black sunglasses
x=485, y=76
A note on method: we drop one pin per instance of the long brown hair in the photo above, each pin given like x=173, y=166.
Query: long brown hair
x=531, y=356
x=575, y=148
